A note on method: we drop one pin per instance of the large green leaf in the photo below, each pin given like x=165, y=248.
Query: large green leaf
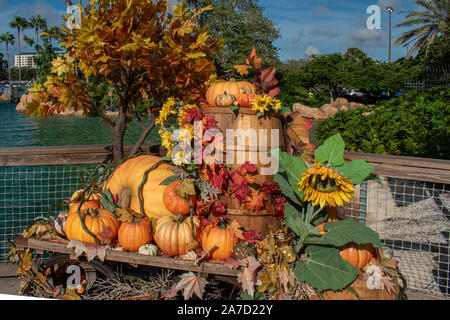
x=288, y=191
x=340, y=233
x=331, y=151
x=325, y=269
x=357, y=170
x=294, y=168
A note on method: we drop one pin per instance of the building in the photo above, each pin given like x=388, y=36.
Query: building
x=26, y=60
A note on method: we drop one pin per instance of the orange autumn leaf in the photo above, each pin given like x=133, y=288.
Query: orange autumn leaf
x=256, y=202
x=235, y=228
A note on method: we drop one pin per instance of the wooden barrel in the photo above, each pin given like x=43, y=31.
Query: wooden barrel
x=360, y=287
x=252, y=151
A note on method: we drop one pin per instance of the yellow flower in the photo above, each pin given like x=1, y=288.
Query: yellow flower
x=276, y=104
x=261, y=104
x=322, y=185
x=166, y=111
x=180, y=158
x=166, y=141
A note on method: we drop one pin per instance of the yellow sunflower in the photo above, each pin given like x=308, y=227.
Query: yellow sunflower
x=322, y=185
x=261, y=104
x=166, y=141
x=166, y=111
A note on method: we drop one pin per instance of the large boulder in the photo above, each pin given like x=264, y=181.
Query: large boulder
x=340, y=102
x=24, y=100
x=4, y=97
x=329, y=110
x=307, y=112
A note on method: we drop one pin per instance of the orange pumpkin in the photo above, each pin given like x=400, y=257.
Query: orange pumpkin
x=133, y=235
x=246, y=99
x=232, y=87
x=95, y=220
x=357, y=255
x=127, y=177
x=222, y=238
x=175, y=201
x=73, y=207
x=173, y=235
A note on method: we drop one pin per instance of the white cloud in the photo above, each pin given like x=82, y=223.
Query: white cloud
x=367, y=38
x=311, y=50
x=318, y=31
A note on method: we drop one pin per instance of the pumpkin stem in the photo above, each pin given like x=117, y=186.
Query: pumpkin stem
x=125, y=198
x=222, y=223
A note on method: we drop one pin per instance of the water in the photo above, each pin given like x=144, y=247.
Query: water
x=18, y=130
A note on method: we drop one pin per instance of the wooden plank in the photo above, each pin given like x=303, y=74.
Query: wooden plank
x=132, y=257
x=400, y=160
x=62, y=155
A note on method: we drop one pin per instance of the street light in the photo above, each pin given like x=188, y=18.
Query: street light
x=390, y=9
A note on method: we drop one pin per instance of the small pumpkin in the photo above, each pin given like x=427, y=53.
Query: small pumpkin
x=73, y=208
x=95, y=220
x=246, y=100
x=132, y=235
x=225, y=100
x=149, y=249
x=221, y=237
x=357, y=255
x=175, y=201
x=173, y=235
x=233, y=87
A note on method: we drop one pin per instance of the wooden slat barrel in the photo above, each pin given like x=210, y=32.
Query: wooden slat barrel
x=264, y=221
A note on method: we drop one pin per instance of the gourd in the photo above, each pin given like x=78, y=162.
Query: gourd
x=175, y=201
x=148, y=249
x=221, y=237
x=132, y=235
x=95, y=220
x=174, y=235
x=232, y=87
x=126, y=179
x=224, y=100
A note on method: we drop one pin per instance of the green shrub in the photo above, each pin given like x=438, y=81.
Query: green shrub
x=417, y=124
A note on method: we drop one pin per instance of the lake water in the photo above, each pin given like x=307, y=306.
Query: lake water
x=18, y=130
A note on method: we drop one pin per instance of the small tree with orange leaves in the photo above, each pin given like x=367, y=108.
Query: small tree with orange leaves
x=142, y=48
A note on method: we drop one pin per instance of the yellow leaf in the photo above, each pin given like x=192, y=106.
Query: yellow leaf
x=241, y=69
x=195, y=55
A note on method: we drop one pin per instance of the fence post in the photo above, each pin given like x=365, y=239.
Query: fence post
x=362, y=202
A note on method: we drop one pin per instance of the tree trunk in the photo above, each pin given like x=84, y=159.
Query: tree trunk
x=9, y=70
x=20, y=62
x=118, y=130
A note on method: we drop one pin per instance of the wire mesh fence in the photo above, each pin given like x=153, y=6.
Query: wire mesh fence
x=27, y=193
x=413, y=219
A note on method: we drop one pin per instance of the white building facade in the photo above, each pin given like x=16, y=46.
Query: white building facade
x=25, y=60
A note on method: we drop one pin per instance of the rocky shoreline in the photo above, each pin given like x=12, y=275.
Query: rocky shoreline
x=26, y=99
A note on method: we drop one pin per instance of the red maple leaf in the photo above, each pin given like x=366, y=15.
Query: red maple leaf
x=218, y=210
x=280, y=204
x=252, y=236
x=193, y=114
x=269, y=188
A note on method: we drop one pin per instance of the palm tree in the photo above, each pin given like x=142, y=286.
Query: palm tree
x=433, y=20
x=8, y=39
x=20, y=24
x=37, y=23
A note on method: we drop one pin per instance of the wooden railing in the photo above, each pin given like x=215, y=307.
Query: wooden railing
x=410, y=168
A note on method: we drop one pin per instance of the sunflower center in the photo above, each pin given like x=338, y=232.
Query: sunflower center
x=328, y=185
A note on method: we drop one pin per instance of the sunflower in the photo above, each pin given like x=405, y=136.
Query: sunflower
x=261, y=104
x=166, y=111
x=166, y=141
x=322, y=185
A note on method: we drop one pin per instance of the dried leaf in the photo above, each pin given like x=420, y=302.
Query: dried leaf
x=247, y=277
x=125, y=215
x=106, y=235
x=387, y=282
x=186, y=188
x=242, y=69
x=71, y=294
x=78, y=246
x=94, y=250
x=235, y=228
x=256, y=202
x=190, y=284
x=252, y=236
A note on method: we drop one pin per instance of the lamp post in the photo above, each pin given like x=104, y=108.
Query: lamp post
x=390, y=9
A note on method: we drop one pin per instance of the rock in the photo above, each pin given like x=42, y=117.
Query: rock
x=24, y=100
x=368, y=113
x=307, y=112
x=355, y=105
x=4, y=97
x=328, y=110
x=340, y=102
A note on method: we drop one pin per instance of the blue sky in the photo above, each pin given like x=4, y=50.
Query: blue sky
x=306, y=26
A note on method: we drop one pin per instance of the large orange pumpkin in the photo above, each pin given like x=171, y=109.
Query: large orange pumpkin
x=73, y=207
x=95, y=221
x=126, y=179
x=235, y=88
x=133, y=235
x=175, y=201
x=173, y=235
x=222, y=238
x=357, y=255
